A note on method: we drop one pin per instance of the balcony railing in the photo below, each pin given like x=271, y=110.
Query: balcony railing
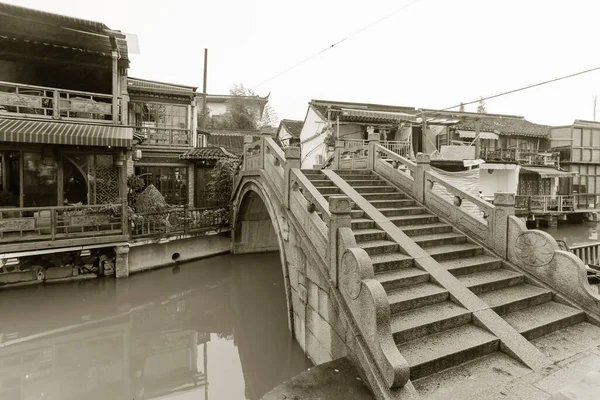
x=558, y=203
x=521, y=156
x=402, y=148
x=36, y=224
x=182, y=220
x=165, y=136
x=53, y=103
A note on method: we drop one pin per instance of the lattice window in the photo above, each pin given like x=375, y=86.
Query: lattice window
x=105, y=182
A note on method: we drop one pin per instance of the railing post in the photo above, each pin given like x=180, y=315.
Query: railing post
x=340, y=208
x=263, y=145
x=53, y=223
x=504, y=207
x=186, y=219
x=423, y=165
x=292, y=157
x=55, y=105
x=339, y=148
x=247, y=144
x=373, y=141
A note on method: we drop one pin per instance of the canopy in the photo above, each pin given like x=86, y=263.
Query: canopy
x=482, y=135
x=546, y=172
x=375, y=116
x=53, y=132
x=499, y=166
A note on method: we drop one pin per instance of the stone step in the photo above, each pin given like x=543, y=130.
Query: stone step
x=384, y=196
x=470, y=265
x=322, y=183
x=366, y=235
x=363, y=223
x=416, y=218
x=433, y=353
x=439, y=239
x=404, y=211
x=403, y=277
x=329, y=190
x=565, y=343
x=354, y=214
x=375, y=189
x=426, y=229
x=428, y=320
x=344, y=172
x=485, y=281
x=397, y=203
x=365, y=182
x=359, y=177
x=415, y=296
x=542, y=319
x=515, y=298
x=378, y=246
x=390, y=261
x=454, y=251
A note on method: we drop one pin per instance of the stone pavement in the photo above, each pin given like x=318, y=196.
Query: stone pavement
x=335, y=380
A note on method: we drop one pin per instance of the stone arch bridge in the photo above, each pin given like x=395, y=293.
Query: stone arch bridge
x=431, y=292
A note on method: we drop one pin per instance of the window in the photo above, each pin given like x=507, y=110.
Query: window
x=171, y=182
x=167, y=123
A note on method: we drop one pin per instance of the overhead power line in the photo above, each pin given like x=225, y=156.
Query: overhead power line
x=364, y=28
x=525, y=88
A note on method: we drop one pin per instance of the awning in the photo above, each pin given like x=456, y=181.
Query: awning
x=53, y=132
x=375, y=116
x=482, y=135
x=546, y=172
x=499, y=166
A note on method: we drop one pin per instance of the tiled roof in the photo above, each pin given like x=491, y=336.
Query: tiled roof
x=233, y=141
x=292, y=126
x=46, y=29
x=207, y=153
x=506, y=126
x=321, y=106
x=158, y=86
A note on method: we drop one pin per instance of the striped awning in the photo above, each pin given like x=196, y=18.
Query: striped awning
x=375, y=116
x=68, y=133
x=547, y=172
x=482, y=135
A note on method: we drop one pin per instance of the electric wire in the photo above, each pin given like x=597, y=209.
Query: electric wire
x=364, y=28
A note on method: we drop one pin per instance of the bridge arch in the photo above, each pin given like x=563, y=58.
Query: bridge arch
x=259, y=226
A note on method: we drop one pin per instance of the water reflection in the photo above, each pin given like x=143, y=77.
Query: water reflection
x=214, y=329
x=575, y=233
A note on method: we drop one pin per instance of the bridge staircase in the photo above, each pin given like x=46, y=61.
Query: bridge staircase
x=477, y=303
x=432, y=331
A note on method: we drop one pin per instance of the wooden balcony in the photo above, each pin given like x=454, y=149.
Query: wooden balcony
x=58, y=104
x=520, y=156
x=38, y=228
x=170, y=137
x=558, y=204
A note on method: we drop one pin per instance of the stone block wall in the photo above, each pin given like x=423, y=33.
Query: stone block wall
x=318, y=326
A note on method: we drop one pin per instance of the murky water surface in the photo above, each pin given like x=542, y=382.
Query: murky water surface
x=211, y=329
x=576, y=233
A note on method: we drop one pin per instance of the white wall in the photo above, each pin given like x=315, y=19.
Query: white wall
x=311, y=140
x=284, y=134
x=498, y=181
x=216, y=108
x=560, y=136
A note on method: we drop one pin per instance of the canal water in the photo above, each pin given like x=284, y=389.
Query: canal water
x=210, y=329
x=575, y=233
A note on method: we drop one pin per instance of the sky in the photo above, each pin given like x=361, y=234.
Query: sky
x=432, y=54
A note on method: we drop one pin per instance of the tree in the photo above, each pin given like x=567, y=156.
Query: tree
x=481, y=107
x=243, y=111
x=220, y=185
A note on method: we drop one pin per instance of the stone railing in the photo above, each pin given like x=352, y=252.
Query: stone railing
x=394, y=167
x=539, y=254
x=348, y=267
x=589, y=253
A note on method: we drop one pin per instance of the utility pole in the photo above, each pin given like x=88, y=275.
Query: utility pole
x=595, y=98
x=204, y=91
